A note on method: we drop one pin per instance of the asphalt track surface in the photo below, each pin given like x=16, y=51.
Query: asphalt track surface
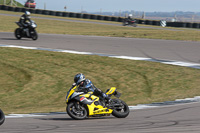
x=186, y=51
x=183, y=118
x=172, y=119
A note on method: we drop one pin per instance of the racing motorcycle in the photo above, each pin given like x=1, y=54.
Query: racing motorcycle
x=131, y=23
x=29, y=32
x=81, y=105
x=2, y=117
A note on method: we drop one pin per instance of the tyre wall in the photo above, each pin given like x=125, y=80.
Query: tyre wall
x=18, y=9
x=60, y=14
x=46, y=12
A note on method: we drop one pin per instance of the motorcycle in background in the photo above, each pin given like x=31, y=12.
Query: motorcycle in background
x=28, y=32
x=131, y=23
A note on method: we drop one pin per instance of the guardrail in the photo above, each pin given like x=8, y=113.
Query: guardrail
x=96, y=17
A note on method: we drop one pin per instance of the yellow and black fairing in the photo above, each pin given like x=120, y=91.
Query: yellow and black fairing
x=95, y=107
x=94, y=104
x=113, y=91
x=72, y=94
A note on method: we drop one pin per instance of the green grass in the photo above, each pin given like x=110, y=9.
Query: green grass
x=37, y=81
x=7, y=2
x=62, y=27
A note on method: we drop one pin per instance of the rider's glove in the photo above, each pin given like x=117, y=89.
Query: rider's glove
x=25, y=25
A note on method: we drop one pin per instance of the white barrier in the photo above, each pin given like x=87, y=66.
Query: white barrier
x=163, y=23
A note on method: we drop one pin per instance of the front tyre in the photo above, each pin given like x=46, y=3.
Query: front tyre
x=2, y=117
x=134, y=25
x=34, y=35
x=76, y=111
x=121, y=111
x=124, y=24
x=18, y=33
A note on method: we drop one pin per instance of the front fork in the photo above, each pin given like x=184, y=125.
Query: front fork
x=78, y=106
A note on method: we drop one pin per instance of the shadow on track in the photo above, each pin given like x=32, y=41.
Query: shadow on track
x=24, y=39
x=70, y=119
x=8, y=39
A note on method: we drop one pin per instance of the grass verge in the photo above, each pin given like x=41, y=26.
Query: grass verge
x=8, y=2
x=37, y=81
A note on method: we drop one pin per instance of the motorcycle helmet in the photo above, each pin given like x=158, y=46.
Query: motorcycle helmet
x=27, y=13
x=130, y=15
x=78, y=78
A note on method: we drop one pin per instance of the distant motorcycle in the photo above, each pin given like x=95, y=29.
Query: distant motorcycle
x=29, y=32
x=2, y=117
x=131, y=23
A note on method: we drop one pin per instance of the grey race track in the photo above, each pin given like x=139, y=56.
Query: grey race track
x=157, y=49
x=171, y=119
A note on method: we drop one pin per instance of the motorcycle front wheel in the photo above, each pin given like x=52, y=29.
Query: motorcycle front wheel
x=76, y=111
x=134, y=25
x=121, y=111
x=18, y=33
x=2, y=117
x=34, y=35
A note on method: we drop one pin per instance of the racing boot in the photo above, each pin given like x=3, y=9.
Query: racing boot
x=107, y=98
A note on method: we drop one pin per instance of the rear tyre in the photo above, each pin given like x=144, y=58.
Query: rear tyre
x=120, y=111
x=18, y=33
x=76, y=111
x=2, y=117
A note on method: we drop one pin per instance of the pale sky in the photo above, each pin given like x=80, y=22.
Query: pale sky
x=119, y=5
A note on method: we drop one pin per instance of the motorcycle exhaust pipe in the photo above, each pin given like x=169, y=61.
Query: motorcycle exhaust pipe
x=2, y=117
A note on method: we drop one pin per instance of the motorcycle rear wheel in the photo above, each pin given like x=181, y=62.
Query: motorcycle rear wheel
x=2, y=117
x=18, y=33
x=76, y=111
x=120, y=112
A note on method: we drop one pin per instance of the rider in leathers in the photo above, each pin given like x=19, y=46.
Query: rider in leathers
x=86, y=85
x=129, y=19
x=25, y=19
